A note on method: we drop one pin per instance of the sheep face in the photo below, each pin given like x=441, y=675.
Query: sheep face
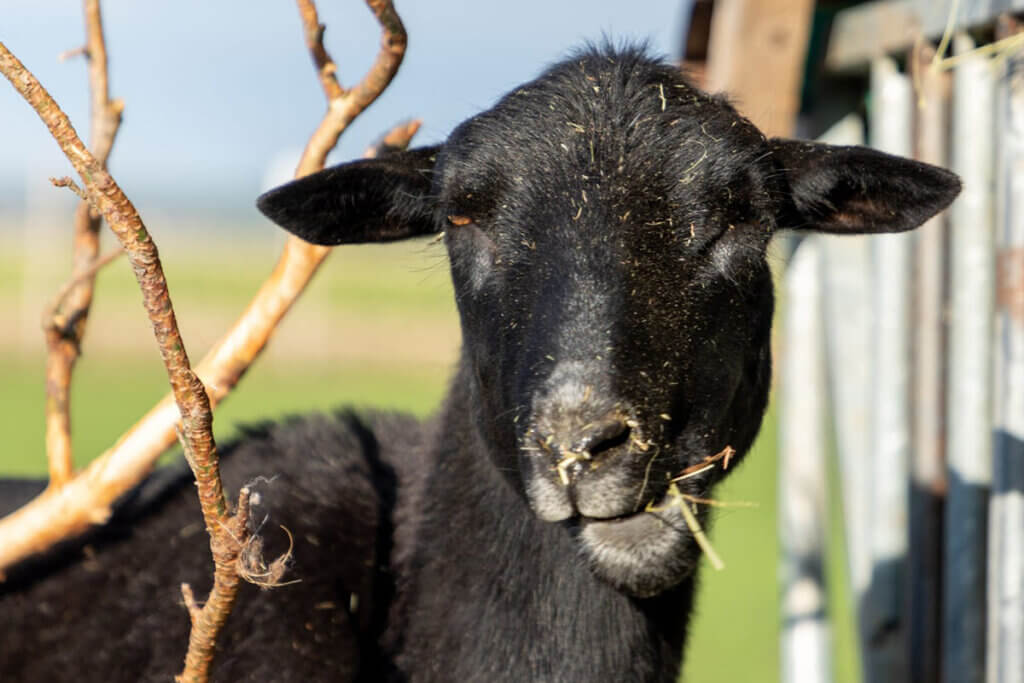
x=607, y=226
x=610, y=272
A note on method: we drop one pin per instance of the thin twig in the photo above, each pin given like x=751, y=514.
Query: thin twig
x=394, y=140
x=126, y=224
x=69, y=183
x=1001, y=48
x=724, y=455
x=325, y=66
x=344, y=106
x=80, y=51
x=63, y=345
x=189, y=393
x=679, y=500
x=226, y=363
x=229, y=536
x=190, y=602
x=698, y=531
x=54, y=316
x=106, y=113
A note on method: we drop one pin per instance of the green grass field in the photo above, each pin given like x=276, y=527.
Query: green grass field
x=378, y=328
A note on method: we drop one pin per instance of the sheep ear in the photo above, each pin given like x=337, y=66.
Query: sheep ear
x=373, y=200
x=859, y=190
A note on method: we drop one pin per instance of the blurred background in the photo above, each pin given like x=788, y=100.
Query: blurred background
x=220, y=99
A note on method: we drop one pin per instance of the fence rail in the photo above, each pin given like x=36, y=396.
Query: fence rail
x=922, y=337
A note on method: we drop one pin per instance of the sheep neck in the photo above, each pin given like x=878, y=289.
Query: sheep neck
x=496, y=588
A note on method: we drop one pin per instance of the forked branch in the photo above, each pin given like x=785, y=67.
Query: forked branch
x=64, y=323
x=189, y=394
x=227, y=532
x=67, y=507
x=69, y=510
x=344, y=106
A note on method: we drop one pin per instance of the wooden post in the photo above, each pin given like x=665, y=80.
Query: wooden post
x=928, y=465
x=757, y=54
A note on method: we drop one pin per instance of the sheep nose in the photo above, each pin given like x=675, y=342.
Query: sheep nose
x=576, y=443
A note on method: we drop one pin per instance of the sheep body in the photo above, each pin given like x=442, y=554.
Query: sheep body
x=116, y=613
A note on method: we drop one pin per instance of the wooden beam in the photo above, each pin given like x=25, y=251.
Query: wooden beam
x=886, y=27
x=757, y=54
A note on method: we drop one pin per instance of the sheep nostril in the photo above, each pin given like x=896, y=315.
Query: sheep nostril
x=605, y=435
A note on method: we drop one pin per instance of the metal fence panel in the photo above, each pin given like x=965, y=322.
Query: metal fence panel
x=883, y=623
x=805, y=646
x=969, y=443
x=847, y=311
x=1006, y=521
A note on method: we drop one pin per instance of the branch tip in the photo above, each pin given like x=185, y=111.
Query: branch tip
x=80, y=51
x=67, y=182
x=189, y=598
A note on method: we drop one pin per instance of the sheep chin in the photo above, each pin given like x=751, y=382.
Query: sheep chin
x=643, y=554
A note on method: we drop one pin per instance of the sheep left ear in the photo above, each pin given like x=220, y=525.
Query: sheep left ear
x=373, y=200
x=859, y=190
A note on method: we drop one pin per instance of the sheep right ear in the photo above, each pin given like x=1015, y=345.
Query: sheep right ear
x=851, y=190
x=373, y=200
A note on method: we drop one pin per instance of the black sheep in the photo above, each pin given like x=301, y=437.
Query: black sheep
x=606, y=226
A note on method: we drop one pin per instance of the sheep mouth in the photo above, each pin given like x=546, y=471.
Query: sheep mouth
x=664, y=509
x=642, y=553
x=631, y=526
x=650, y=550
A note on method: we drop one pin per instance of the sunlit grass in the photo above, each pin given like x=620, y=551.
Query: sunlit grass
x=108, y=396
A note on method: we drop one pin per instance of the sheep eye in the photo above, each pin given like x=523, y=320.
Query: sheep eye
x=458, y=220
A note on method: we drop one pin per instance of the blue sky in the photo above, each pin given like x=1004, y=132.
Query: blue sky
x=219, y=93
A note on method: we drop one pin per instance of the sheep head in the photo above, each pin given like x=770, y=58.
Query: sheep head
x=607, y=226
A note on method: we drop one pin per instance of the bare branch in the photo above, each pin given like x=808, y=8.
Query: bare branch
x=126, y=224
x=228, y=539
x=230, y=543
x=343, y=107
x=325, y=66
x=224, y=365
x=106, y=113
x=86, y=500
x=63, y=344
x=189, y=393
x=59, y=513
x=299, y=261
x=394, y=140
